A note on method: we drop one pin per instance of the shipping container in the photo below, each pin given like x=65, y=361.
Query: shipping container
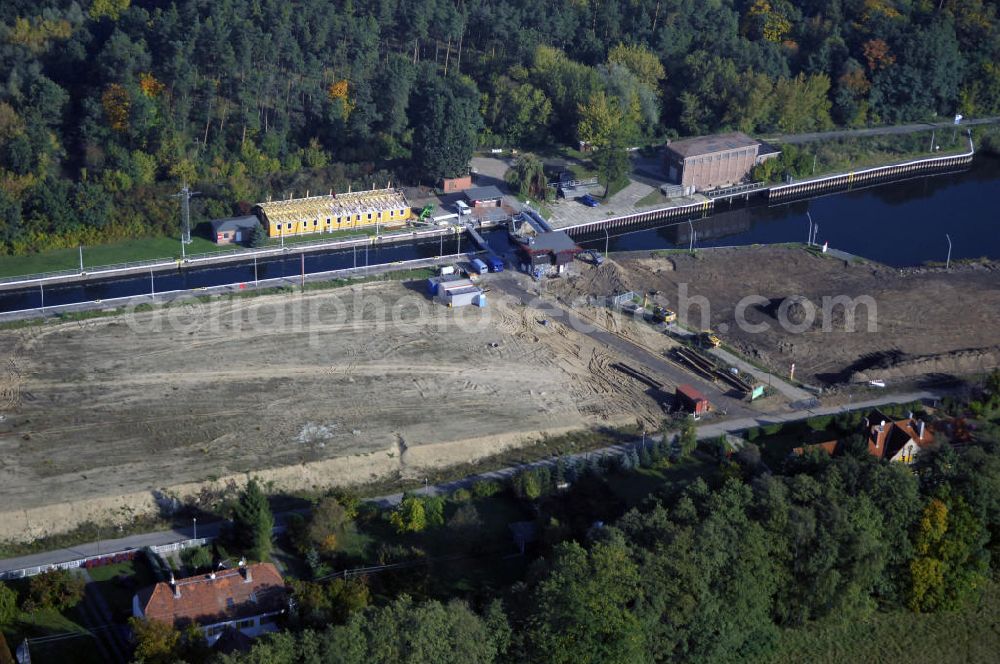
x=692, y=400
x=479, y=266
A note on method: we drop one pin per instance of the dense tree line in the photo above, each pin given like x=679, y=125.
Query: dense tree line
x=106, y=105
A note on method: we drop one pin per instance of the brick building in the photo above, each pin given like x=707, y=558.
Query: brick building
x=710, y=162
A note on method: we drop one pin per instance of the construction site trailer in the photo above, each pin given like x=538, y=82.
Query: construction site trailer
x=692, y=400
x=461, y=297
x=456, y=284
x=434, y=283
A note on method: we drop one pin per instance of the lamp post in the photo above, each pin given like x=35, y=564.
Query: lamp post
x=947, y=265
x=607, y=241
x=690, y=236
x=810, y=233
x=194, y=522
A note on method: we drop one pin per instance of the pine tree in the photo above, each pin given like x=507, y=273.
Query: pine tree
x=645, y=456
x=253, y=521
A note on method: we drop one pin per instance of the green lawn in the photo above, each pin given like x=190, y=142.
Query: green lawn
x=652, y=198
x=119, y=582
x=141, y=250
x=107, y=254
x=971, y=634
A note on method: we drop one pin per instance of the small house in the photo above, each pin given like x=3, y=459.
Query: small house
x=479, y=197
x=248, y=599
x=899, y=441
x=238, y=230
x=455, y=185
x=544, y=250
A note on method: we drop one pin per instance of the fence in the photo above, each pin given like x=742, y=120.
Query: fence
x=208, y=257
x=869, y=175
x=102, y=559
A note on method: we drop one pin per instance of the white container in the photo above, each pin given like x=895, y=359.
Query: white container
x=446, y=269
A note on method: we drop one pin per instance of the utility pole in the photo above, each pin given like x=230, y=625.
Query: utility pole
x=690, y=236
x=185, y=195
x=41, y=289
x=194, y=520
x=607, y=241
x=81, y=259
x=152, y=285
x=810, y=234
x=947, y=264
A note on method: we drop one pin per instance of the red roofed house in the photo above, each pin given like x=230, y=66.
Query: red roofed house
x=901, y=440
x=247, y=599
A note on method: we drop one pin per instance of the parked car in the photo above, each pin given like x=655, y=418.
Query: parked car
x=589, y=200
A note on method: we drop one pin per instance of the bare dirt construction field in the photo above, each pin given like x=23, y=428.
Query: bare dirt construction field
x=307, y=390
x=924, y=322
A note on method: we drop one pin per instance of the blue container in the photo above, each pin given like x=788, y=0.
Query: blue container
x=496, y=264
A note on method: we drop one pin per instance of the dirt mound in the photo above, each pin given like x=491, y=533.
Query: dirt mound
x=609, y=278
x=976, y=360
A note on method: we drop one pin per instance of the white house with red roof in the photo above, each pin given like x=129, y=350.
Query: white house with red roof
x=248, y=599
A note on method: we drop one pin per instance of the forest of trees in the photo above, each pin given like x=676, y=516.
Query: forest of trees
x=108, y=105
x=709, y=570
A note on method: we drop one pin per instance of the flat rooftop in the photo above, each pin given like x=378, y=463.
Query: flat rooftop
x=693, y=147
x=488, y=193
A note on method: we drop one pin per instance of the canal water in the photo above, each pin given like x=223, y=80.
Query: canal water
x=901, y=224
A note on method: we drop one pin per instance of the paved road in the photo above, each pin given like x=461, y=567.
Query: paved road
x=875, y=131
x=790, y=391
x=705, y=431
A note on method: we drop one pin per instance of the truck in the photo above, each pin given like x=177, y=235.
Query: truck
x=708, y=338
x=663, y=315
x=495, y=263
x=479, y=266
x=591, y=256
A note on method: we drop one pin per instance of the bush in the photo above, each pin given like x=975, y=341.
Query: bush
x=56, y=589
x=820, y=422
x=486, y=488
x=461, y=496
x=753, y=434
x=772, y=429
x=197, y=558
